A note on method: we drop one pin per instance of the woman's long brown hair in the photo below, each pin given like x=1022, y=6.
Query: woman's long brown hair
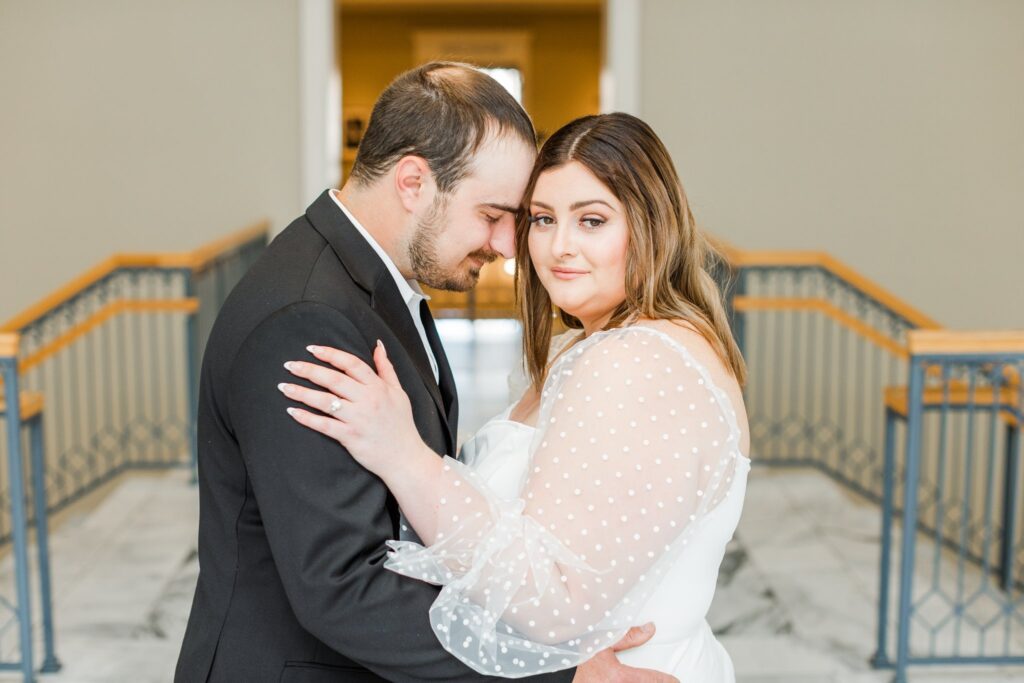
x=668, y=258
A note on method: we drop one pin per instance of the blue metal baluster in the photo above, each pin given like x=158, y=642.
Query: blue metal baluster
x=881, y=658
x=50, y=370
x=913, y=460
x=50, y=661
x=877, y=416
x=167, y=325
x=990, y=483
x=110, y=373
x=859, y=396
x=88, y=350
x=812, y=415
x=956, y=465
x=16, y=479
x=140, y=372
x=842, y=378
x=75, y=396
x=940, y=503
x=965, y=512
x=894, y=367
x=125, y=384
x=777, y=404
x=153, y=352
x=795, y=411
x=829, y=378
x=1011, y=491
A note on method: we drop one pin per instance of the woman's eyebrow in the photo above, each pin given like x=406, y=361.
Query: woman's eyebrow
x=580, y=205
x=501, y=207
x=576, y=205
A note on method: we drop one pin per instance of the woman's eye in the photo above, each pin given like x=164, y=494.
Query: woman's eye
x=541, y=220
x=592, y=223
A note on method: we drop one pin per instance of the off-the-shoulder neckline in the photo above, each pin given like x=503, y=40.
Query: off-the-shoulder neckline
x=579, y=347
x=680, y=346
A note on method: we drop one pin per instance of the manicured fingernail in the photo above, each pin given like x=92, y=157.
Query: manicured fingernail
x=380, y=345
x=292, y=411
x=284, y=388
x=313, y=349
x=289, y=366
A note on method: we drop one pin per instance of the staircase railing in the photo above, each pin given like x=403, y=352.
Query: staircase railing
x=116, y=353
x=832, y=360
x=959, y=579
x=822, y=342
x=102, y=377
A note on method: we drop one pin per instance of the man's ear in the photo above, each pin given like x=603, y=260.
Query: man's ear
x=414, y=183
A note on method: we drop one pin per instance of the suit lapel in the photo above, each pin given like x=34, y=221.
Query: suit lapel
x=370, y=273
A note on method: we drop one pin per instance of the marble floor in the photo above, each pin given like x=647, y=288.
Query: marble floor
x=795, y=603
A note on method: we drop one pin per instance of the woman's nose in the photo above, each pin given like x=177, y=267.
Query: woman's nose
x=563, y=242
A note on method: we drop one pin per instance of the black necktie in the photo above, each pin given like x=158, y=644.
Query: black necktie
x=445, y=380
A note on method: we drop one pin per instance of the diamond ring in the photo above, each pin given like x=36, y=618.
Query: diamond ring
x=334, y=407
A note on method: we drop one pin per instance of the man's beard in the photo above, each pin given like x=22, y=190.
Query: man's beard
x=423, y=256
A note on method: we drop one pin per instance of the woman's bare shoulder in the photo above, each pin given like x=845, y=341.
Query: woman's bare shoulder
x=684, y=332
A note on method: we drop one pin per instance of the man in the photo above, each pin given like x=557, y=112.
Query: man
x=292, y=531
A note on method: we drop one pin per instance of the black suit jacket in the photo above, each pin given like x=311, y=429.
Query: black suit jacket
x=292, y=529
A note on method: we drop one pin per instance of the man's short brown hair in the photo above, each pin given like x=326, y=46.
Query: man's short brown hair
x=441, y=111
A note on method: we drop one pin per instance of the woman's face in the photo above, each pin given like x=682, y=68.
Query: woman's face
x=577, y=240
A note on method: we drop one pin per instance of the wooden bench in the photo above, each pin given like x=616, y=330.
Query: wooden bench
x=958, y=395
x=31, y=404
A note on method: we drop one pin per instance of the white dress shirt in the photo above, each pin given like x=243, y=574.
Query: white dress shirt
x=410, y=290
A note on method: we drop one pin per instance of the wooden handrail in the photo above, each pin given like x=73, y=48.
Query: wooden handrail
x=9, y=344
x=195, y=260
x=925, y=342
x=747, y=303
x=204, y=255
x=740, y=257
x=109, y=311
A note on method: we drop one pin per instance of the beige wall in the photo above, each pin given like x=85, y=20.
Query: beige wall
x=888, y=133
x=139, y=125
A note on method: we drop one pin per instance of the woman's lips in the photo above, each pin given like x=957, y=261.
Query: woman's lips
x=567, y=273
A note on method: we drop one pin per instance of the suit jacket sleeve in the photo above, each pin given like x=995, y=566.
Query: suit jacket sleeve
x=325, y=516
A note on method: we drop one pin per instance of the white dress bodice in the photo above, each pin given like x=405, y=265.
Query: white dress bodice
x=683, y=644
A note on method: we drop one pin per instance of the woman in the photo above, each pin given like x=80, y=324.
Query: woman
x=606, y=495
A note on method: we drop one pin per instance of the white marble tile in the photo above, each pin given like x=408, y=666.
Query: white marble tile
x=757, y=657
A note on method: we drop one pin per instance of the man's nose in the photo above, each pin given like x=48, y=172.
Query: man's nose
x=503, y=239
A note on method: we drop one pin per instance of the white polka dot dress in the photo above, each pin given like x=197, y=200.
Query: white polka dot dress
x=552, y=541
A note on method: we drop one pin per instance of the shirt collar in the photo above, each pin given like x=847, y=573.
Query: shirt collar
x=410, y=289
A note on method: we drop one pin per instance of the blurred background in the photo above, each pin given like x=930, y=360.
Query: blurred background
x=861, y=164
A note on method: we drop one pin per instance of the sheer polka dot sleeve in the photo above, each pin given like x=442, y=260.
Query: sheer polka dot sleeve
x=634, y=447
x=518, y=380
